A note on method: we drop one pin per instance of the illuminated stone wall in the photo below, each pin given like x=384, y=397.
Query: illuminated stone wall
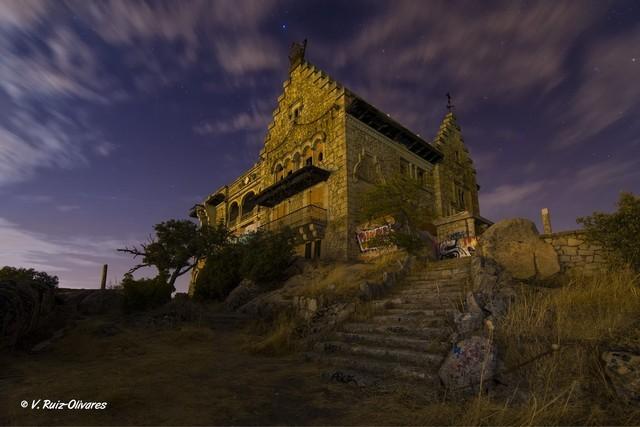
x=575, y=252
x=370, y=157
x=455, y=173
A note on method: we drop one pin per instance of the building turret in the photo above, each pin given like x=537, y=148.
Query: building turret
x=455, y=176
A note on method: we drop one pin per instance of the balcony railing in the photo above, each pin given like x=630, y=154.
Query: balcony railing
x=293, y=183
x=310, y=214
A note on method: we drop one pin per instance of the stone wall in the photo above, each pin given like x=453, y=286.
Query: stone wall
x=371, y=157
x=575, y=252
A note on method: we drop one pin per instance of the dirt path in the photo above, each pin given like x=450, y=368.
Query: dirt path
x=192, y=375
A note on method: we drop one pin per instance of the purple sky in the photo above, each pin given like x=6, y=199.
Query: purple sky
x=115, y=115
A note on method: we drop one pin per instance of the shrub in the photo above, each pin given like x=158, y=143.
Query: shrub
x=220, y=274
x=143, y=294
x=617, y=232
x=261, y=257
x=27, y=276
x=267, y=255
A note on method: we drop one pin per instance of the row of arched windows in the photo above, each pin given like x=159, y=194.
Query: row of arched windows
x=308, y=157
x=246, y=207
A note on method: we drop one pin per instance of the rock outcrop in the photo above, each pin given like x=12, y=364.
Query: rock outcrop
x=23, y=309
x=516, y=245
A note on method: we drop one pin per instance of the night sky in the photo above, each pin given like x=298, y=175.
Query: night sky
x=117, y=115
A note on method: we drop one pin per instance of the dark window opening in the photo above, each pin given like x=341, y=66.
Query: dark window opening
x=404, y=167
x=320, y=158
x=309, y=161
x=307, y=250
x=316, y=251
x=460, y=195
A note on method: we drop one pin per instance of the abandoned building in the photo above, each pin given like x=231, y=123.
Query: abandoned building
x=325, y=145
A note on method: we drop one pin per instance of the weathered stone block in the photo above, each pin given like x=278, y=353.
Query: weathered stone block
x=567, y=250
x=572, y=241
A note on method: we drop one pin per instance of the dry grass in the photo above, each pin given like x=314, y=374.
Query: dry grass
x=584, y=316
x=275, y=338
x=343, y=280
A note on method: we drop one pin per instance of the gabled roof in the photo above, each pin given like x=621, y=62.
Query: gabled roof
x=363, y=111
x=381, y=122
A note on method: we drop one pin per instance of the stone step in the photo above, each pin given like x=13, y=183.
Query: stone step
x=434, y=285
x=375, y=367
x=439, y=265
x=427, y=294
x=421, y=312
x=440, y=280
x=410, y=357
x=435, y=346
x=446, y=263
x=443, y=280
x=423, y=302
x=401, y=320
x=413, y=331
x=441, y=273
x=430, y=305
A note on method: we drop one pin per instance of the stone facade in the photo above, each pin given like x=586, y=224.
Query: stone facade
x=323, y=148
x=575, y=252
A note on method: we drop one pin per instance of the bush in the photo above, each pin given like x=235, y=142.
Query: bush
x=266, y=256
x=143, y=294
x=617, y=232
x=220, y=274
x=27, y=276
x=261, y=257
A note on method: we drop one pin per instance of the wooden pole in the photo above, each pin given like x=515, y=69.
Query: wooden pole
x=103, y=282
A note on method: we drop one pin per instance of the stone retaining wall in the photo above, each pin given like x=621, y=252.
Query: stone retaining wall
x=575, y=252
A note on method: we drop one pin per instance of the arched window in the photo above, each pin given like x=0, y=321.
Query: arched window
x=307, y=156
x=288, y=167
x=248, y=203
x=279, y=172
x=319, y=152
x=234, y=211
x=295, y=162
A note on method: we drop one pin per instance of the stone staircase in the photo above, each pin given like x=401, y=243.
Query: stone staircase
x=407, y=337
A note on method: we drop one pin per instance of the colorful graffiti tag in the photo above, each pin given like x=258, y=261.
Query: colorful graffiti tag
x=457, y=245
x=369, y=239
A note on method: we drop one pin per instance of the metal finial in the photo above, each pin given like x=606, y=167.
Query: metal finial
x=449, y=104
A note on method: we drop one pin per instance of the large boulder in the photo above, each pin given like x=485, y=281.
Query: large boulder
x=623, y=370
x=471, y=364
x=515, y=244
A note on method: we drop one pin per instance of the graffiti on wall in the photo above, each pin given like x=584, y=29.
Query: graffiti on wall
x=372, y=238
x=457, y=245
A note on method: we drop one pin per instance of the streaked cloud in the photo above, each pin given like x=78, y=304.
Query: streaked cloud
x=509, y=194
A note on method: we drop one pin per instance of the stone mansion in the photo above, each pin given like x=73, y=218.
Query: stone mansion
x=324, y=146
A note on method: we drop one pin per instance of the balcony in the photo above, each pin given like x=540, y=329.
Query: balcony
x=306, y=215
x=294, y=183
